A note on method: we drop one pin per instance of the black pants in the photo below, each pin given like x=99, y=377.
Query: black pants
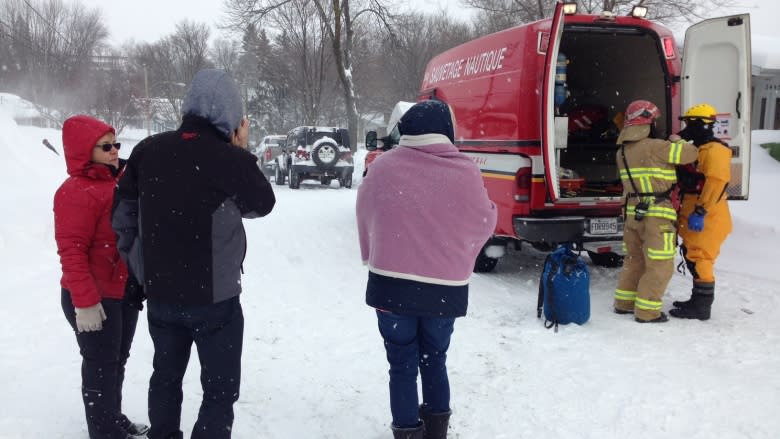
x=218, y=332
x=104, y=354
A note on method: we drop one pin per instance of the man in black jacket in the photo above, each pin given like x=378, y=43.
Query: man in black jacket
x=179, y=217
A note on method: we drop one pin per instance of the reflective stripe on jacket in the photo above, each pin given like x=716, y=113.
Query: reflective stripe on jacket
x=651, y=165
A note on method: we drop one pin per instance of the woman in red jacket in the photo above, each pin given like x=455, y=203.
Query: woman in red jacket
x=94, y=278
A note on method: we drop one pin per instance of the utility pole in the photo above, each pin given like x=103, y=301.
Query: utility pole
x=148, y=117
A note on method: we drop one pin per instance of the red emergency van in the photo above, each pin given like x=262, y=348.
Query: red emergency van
x=539, y=108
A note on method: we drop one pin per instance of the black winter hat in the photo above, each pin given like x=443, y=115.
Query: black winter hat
x=427, y=117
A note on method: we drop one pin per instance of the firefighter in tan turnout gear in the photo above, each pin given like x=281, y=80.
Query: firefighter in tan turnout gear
x=647, y=171
x=705, y=220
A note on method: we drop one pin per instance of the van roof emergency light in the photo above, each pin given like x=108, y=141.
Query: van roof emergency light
x=639, y=11
x=570, y=8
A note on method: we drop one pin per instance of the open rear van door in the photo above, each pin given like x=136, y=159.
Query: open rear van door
x=548, y=106
x=717, y=71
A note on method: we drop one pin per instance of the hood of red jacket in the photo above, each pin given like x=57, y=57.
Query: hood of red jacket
x=79, y=135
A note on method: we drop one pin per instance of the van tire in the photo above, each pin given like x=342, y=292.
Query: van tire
x=609, y=260
x=484, y=263
x=279, y=177
x=325, y=155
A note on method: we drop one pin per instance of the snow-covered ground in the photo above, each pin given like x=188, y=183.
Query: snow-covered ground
x=314, y=365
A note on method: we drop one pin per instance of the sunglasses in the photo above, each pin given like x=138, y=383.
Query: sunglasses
x=107, y=146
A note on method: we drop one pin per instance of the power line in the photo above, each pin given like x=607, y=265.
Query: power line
x=28, y=44
x=48, y=23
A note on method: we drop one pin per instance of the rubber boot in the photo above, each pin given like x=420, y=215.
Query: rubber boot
x=436, y=424
x=408, y=433
x=705, y=288
x=698, y=307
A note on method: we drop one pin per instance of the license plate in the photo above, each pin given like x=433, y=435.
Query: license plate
x=603, y=226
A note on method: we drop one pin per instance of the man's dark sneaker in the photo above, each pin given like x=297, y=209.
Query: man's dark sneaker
x=660, y=319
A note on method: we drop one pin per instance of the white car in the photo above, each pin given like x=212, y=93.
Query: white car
x=267, y=151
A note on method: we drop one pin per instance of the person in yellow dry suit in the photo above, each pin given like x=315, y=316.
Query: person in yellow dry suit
x=705, y=220
x=647, y=170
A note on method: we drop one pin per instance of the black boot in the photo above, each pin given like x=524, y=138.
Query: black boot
x=436, y=424
x=697, y=308
x=705, y=288
x=408, y=433
x=699, y=305
x=660, y=319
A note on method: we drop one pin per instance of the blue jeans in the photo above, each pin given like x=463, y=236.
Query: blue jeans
x=217, y=331
x=411, y=343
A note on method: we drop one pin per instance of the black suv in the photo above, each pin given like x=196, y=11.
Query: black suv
x=319, y=153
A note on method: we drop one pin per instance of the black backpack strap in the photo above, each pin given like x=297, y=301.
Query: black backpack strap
x=628, y=169
x=540, y=303
x=659, y=196
x=681, y=265
x=551, y=291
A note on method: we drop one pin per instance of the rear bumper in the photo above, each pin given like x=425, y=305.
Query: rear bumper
x=314, y=171
x=562, y=229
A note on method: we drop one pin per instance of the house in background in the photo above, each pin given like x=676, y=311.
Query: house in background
x=24, y=112
x=766, y=83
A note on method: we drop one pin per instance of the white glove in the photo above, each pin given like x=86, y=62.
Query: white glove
x=90, y=318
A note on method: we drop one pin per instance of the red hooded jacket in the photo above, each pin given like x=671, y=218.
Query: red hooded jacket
x=91, y=267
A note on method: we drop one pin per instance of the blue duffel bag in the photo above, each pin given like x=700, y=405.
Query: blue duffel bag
x=564, y=289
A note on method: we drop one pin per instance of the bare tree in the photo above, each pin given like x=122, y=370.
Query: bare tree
x=225, y=55
x=513, y=12
x=298, y=71
x=114, y=87
x=399, y=60
x=169, y=66
x=337, y=17
x=51, y=50
x=190, y=46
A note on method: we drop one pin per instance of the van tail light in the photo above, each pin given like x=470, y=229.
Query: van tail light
x=523, y=181
x=268, y=156
x=669, y=47
x=346, y=156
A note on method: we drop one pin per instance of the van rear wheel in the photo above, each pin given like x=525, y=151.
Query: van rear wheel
x=484, y=263
x=610, y=260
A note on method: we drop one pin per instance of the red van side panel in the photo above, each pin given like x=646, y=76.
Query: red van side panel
x=494, y=84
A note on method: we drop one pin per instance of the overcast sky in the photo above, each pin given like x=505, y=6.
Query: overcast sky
x=148, y=20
